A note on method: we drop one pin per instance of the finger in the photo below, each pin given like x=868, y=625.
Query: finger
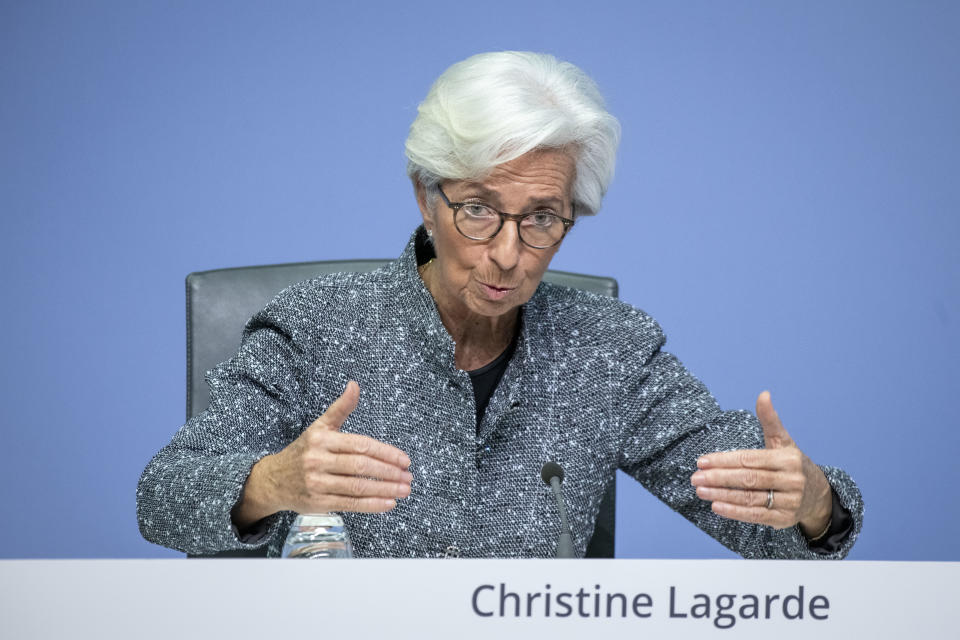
x=755, y=479
x=354, y=443
x=788, y=501
x=359, y=505
x=358, y=465
x=775, y=436
x=338, y=412
x=356, y=487
x=773, y=459
x=758, y=515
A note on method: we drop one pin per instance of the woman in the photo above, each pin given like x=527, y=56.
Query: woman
x=422, y=400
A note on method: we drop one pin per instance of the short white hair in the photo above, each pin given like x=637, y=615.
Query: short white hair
x=494, y=107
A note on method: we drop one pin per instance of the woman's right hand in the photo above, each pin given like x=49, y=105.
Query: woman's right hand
x=326, y=470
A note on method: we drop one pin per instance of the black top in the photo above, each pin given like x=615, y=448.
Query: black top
x=486, y=378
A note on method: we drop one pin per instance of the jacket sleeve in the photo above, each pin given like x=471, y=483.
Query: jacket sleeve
x=670, y=419
x=187, y=491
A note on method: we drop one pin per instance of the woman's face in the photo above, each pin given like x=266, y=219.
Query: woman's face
x=492, y=277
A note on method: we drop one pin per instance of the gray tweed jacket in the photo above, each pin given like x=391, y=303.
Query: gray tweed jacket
x=588, y=386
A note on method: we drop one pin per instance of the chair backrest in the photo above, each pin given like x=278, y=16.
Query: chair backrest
x=220, y=301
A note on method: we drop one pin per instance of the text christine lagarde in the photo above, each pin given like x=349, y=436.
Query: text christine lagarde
x=722, y=609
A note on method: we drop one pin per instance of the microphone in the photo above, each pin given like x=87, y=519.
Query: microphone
x=552, y=474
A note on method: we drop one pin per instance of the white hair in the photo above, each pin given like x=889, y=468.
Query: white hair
x=494, y=107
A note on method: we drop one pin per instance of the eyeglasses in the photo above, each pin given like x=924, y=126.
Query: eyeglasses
x=477, y=221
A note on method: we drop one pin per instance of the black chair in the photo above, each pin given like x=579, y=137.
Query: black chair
x=220, y=301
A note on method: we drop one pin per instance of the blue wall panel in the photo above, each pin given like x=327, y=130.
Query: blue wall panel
x=785, y=205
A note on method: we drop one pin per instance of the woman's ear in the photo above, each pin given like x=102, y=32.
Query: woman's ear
x=422, y=202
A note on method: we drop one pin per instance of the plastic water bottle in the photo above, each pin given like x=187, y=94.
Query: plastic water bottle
x=321, y=535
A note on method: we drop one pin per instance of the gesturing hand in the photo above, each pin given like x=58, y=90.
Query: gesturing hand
x=326, y=470
x=777, y=486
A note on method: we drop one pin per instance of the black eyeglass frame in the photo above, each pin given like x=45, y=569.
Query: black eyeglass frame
x=515, y=217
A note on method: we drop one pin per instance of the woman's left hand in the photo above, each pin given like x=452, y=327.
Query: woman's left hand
x=739, y=483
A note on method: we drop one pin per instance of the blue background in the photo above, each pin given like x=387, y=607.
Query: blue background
x=785, y=205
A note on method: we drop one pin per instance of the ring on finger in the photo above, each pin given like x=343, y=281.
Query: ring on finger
x=769, y=498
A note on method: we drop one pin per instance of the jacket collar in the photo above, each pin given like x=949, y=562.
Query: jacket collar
x=415, y=300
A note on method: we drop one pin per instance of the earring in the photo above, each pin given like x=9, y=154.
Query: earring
x=429, y=233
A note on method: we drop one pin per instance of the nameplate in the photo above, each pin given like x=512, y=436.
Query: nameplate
x=475, y=598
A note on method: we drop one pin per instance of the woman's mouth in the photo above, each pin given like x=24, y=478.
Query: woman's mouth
x=495, y=293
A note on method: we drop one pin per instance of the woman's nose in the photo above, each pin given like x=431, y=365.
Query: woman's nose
x=505, y=247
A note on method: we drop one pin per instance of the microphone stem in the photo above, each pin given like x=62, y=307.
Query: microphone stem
x=555, y=485
x=565, y=543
